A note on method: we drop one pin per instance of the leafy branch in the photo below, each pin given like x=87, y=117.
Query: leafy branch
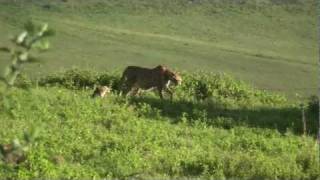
x=33, y=37
x=16, y=151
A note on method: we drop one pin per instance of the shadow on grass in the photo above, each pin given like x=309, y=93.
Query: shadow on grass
x=217, y=115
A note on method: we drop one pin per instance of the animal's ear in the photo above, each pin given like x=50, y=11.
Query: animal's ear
x=162, y=70
x=167, y=74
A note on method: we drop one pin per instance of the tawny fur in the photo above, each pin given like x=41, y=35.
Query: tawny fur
x=101, y=91
x=136, y=78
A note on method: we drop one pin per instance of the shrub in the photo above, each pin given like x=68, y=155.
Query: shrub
x=198, y=86
x=202, y=86
x=313, y=104
x=23, y=81
x=81, y=79
x=33, y=37
x=73, y=79
x=110, y=79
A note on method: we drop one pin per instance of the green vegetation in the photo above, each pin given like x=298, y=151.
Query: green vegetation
x=272, y=44
x=33, y=37
x=206, y=131
x=216, y=127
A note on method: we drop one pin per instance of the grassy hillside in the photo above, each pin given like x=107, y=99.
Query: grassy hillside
x=271, y=44
x=238, y=132
x=216, y=127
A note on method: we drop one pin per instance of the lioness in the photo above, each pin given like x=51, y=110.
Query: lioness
x=101, y=91
x=135, y=78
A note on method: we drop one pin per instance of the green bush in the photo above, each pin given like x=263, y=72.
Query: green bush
x=152, y=138
x=110, y=79
x=33, y=37
x=201, y=86
x=313, y=104
x=216, y=100
x=73, y=79
x=23, y=81
x=81, y=79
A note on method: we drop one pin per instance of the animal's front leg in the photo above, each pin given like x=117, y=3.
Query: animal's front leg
x=127, y=87
x=125, y=91
x=170, y=92
x=135, y=91
x=160, y=93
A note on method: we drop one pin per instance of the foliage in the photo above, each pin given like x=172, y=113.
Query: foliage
x=200, y=86
x=73, y=78
x=15, y=152
x=268, y=45
x=81, y=79
x=33, y=37
x=313, y=104
x=215, y=128
x=204, y=86
x=115, y=138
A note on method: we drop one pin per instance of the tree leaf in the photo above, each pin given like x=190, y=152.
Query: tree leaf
x=49, y=32
x=5, y=49
x=41, y=45
x=3, y=80
x=13, y=77
x=43, y=29
x=7, y=71
x=16, y=144
x=30, y=27
x=33, y=59
x=23, y=56
x=21, y=37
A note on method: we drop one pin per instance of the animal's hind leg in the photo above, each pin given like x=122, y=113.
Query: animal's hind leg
x=127, y=87
x=126, y=91
x=160, y=93
x=135, y=91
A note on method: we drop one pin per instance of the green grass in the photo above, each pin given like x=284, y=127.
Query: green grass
x=216, y=127
x=271, y=46
x=145, y=137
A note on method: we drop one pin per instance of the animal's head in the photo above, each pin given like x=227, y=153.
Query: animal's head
x=173, y=77
x=101, y=91
x=169, y=75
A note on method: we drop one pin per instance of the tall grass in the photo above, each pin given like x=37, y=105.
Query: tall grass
x=216, y=127
x=267, y=45
x=145, y=137
x=217, y=100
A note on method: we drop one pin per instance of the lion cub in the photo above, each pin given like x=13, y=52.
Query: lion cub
x=101, y=91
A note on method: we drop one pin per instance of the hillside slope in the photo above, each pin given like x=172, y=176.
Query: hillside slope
x=79, y=137
x=215, y=127
x=271, y=45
